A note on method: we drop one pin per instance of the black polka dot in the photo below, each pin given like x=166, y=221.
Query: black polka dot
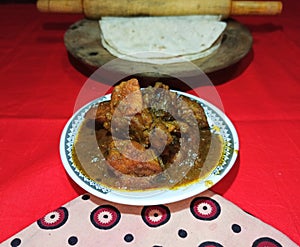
x=236, y=228
x=15, y=242
x=72, y=240
x=182, y=233
x=85, y=197
x=128, y=238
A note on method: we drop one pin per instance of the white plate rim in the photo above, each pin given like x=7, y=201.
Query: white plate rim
x=159, y=196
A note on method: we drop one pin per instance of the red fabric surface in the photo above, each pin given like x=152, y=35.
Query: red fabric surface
x=39, y=87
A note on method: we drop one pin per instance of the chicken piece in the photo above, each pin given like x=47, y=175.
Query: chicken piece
x=99, y=116
x=198, y=113
x=139, y=124
x=159, y=135
x=161, y=85
x=128, y=112
x=132, y=166
x=129, y=94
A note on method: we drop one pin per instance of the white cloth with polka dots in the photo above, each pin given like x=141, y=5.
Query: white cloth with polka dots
x=206, y=220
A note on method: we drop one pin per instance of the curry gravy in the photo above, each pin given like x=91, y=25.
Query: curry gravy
x=89, y=156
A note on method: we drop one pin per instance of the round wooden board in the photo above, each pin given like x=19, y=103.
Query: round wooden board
x=82, y=41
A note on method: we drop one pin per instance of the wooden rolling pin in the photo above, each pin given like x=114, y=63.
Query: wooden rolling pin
x=94, y=9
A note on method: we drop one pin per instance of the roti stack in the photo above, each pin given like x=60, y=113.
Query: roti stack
x=161, y=40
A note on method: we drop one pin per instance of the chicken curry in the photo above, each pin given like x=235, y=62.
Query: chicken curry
x=146, y=138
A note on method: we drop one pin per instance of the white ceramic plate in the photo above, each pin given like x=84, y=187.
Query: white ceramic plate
x=219, y=123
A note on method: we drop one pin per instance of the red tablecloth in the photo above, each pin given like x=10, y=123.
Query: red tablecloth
x=39, y=87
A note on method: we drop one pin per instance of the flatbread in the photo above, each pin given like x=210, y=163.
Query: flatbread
x=161, y=40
